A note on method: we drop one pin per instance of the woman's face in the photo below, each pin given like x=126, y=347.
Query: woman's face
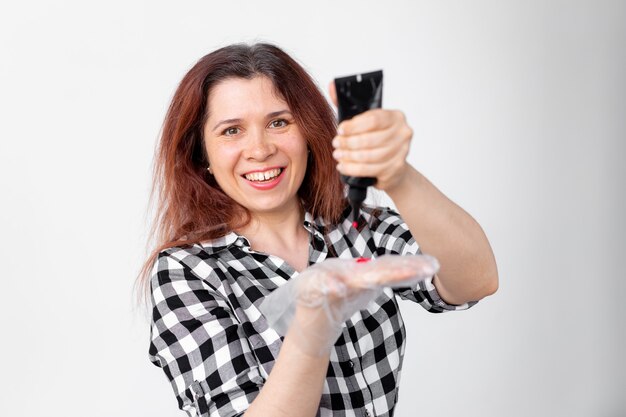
x=256, y=151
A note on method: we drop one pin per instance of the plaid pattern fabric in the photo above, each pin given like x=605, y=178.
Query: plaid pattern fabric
x=217, y=350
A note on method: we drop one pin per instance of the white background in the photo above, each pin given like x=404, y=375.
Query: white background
x=519, y=113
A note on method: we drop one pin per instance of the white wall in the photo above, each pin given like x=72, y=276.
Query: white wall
x=518, y=109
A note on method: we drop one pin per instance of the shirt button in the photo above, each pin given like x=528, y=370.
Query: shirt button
x=367, y=413
x=351, y=364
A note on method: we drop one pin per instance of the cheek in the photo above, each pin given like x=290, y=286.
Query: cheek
x=298, y=148
x=222, y=157
x=223, y=162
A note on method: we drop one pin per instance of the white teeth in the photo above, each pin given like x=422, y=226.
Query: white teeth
x=263, y=176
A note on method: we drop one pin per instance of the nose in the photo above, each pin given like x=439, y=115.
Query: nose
x=259, y=146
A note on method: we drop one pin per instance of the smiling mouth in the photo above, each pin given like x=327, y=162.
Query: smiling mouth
x=264, y=176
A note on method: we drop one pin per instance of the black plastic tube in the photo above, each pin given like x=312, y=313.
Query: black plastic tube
x=357, y=94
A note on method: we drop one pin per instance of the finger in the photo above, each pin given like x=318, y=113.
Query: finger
x=358, y=169
x=385, y=170
x=368, y=140
x=391, y=270
x=384, y=277
x=374, y=155
x=332, y=91
x=422, y=263
x=375, y=119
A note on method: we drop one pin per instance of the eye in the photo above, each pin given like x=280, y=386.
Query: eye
x=230, y=131
x=279, y=123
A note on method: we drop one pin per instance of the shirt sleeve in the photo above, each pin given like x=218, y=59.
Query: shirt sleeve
x=199, y=343
x=392, y=236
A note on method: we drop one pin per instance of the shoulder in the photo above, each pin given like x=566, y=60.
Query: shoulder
x=370, y=216
x=389, y=230
x=380, y=214
x=179, y=257
x=380, y=230
x=384, y=221
x=188, y=264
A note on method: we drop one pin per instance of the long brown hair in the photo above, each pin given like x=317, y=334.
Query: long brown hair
x=191, y=207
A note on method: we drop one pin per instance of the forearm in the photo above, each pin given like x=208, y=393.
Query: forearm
x=294, y=387
x=443, y=229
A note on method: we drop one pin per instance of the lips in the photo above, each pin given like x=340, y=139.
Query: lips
x=262, y=176
x=265, y=179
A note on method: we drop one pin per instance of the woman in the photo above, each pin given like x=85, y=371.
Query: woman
x=248, y=177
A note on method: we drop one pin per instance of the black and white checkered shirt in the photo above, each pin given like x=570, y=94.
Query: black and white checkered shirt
x=217, y=349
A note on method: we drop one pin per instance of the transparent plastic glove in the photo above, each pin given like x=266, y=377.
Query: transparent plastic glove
x=313, y=306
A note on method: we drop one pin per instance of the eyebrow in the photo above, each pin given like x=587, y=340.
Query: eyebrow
x=268, y=116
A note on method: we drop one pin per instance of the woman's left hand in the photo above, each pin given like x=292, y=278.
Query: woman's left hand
x=373, y=144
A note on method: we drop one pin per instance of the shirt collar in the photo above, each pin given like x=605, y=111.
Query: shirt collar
x=224, y=242
x=315, y=226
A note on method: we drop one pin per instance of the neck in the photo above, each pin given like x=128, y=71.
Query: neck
x=272, y=232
